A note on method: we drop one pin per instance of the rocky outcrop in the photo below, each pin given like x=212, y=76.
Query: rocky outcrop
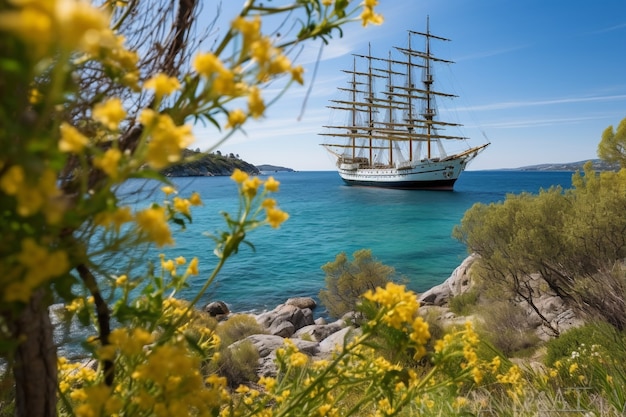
x=286, y=319
x=551, y=307
x=458, y=283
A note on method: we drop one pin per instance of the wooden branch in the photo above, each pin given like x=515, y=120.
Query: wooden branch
x=103, y=316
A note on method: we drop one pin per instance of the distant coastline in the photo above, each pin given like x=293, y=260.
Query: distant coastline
x=597, y=165
x=273, y=168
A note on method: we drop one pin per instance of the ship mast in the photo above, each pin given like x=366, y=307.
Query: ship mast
x=370, y=100
x=409, y=82
x=354, y=110
x=390, y=108
x=428, y=81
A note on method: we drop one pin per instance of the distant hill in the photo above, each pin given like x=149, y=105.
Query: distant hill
x=209, y=165
x=597, y=164
x=273, y=168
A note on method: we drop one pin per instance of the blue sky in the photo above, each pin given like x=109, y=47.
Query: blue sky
x=539, y=79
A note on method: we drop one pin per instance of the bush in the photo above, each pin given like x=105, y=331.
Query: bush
x=346, y=281
x=238, y=327
x=463, y=304
x=505, y=326
x=238, y=363
x=599, y=333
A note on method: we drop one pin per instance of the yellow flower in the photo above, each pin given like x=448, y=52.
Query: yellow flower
x=71, y=139
x=272, y=185
x=495, y=364
x=168, y=190
x=121, y=280
x=153, y=222
x=225, y=84
x=181, y=260
x=162, y=85
x=275, y=217
x=148, y=117
x=167, y=140
x=279, y=64
x=261, y=50
x=323, y=410
x=368, y=16
x=400, y=305
x=297, y=74
x=182, y=205
x=195, y=199
x=250, y=29
x=298, y=359
x=268, y=203
x=255, y=103
x=268, y=382
x=12, y=180
x=420, y=336
x=109, y=162
x=207, y=64
x=239, y=176
x=35, y=96
x=110, y=113
x=250, y=186
x=192, y=269
x=235, y=118
x=169, y=266
x=573, y=368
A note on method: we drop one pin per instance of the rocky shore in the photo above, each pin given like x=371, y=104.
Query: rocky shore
x=294, y=319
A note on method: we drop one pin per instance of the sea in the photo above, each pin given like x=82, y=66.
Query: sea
x=408, y=230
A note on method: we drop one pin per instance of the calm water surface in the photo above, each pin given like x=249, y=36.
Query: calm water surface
x=409, y=230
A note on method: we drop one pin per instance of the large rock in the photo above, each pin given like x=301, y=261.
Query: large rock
x=285, y=319
x=302, y=302
x=266, y=345
x=337, y=340
x=319, y=332
x=458, y=283
x=217, y=309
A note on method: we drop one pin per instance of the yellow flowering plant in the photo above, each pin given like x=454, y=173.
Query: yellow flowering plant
x=95, y=94
x=388, y=366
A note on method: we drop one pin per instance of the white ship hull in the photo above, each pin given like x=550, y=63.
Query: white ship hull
x=423, y=175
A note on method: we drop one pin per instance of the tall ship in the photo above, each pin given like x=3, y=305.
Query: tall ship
x=393, y=136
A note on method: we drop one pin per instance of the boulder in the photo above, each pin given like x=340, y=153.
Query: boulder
x=217, y=309
x=319, y=332
x=336, y=340
x=458, y=283
x=282, y=328
x=265, y=344
x=302, y=302
x=275, y=320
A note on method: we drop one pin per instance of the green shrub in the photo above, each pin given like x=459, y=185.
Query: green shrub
x=505, y=326
x=346, y=281
x=598, y=333
x=463, y=304
x=238, y=327
x=238, y=363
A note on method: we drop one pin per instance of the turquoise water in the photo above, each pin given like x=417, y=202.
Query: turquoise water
x=409, y=230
